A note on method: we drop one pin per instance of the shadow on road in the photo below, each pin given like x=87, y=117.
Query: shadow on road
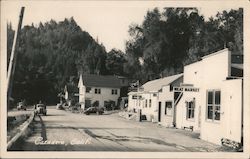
x=43, y=129
x=55, y=115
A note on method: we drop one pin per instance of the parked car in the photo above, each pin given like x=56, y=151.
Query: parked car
x=76, y=108
x=21, y=106
x=59, y=106
x=92, y=110
x=40, y=109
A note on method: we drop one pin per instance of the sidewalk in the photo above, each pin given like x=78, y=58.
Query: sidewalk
x=179, y=138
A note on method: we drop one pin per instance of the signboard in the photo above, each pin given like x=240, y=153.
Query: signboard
x=178, y=89
x=136, y=97
x=76, y=94
x=186, y=89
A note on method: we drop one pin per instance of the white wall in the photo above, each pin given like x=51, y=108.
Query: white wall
x=150, y=112
x=132, y=103
x=181, y=111
x=216, y=68
x=106, y=95
x=230, y=123
x=212, y=69
x=210, y=74
x=164, y=96
x=193, y=74
x=82, y=91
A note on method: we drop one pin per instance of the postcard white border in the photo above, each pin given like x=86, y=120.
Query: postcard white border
x=184, y=3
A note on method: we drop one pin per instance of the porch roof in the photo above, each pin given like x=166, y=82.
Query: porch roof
x=157, y=84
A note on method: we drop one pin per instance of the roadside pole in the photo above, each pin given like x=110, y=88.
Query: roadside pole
x=137, y=97
x=137, y=102
x=13, y=56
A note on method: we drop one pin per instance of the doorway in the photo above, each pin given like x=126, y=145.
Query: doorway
x=159, y=112
x=87, y=103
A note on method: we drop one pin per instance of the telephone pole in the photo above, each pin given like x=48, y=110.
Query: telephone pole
x=13, y=56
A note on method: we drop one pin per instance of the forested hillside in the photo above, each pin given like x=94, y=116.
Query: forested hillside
x=168, y=40
x=53, y=53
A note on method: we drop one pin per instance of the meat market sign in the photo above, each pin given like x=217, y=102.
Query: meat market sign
x=186, y=89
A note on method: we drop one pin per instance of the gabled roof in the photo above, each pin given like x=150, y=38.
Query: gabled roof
x=91, y=80
x=80, y=83
x=157, y=84
x=215, y=53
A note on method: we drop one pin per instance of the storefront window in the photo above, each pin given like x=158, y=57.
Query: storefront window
x=217, y=97
x=210, y=112
x=210, y=97
x=217, y=113
x=168, y=108
x=190, y=110
x=213, y=104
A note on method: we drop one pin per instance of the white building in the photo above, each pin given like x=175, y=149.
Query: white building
x=210, y=100
x=98, y=90
x=167, y=100
x=152, y=96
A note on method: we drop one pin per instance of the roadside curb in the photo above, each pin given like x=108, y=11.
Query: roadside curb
x=23, y=131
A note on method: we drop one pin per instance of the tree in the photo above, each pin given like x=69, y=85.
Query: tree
x=223, y=30
x=168, y=40
x=49, y=55
x=115, y=62
x=52, y=53
x=162, y=41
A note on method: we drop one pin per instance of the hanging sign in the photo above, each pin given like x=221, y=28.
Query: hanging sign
x=136, y=97
x=186, y=89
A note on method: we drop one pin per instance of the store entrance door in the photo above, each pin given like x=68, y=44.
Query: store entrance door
x=159, y=112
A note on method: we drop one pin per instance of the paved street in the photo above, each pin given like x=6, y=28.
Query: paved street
x=65, y=131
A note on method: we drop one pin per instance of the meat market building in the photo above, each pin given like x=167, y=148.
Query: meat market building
x=210, y=98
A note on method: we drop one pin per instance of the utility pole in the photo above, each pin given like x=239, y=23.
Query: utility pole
x=137, y=97
x=137, y=101
x=13, y=56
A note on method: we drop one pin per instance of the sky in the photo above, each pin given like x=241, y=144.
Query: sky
x=107, y=20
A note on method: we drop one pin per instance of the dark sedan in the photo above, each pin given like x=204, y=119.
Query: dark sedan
x=94, y=110
x=40, y=109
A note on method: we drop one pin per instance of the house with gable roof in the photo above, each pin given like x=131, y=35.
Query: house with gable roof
x=98, y=90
